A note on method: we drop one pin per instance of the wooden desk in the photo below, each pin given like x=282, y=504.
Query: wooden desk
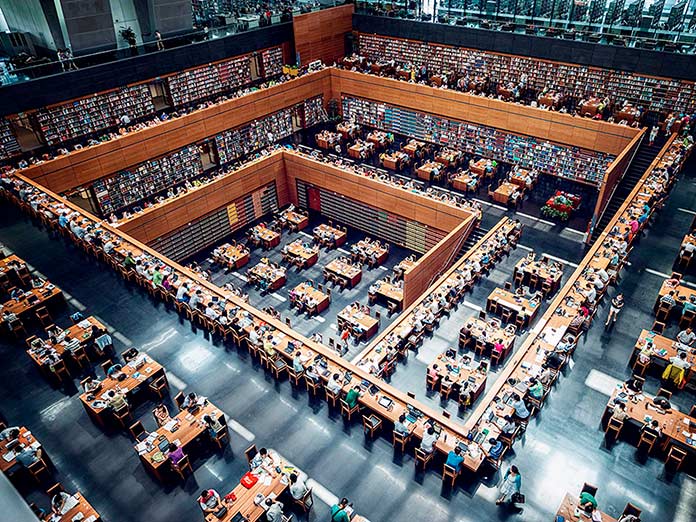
x=348, y=130
x=628, y=113
x=519, y=178
x=15, y=269
x=269, y=238
x=303, y=289
x=302, y=255
x=380, y=138
x=552, y=99
x=518, y=305
x=348, y=272
x=568, y=508
x=136, y=378
x=368, y=325
x=414, y=148
x=83, y=507
x=465, y=380
x=364, y=249
x=190, y=427
x=429, y=170
x=404, y=266
x=231, y=256
x=504, y=192
x=323, y=230
x=394, y=161
x=327, y=139
x=388, y=292
x=273, y=277
x=590, y=107
x=449, y=157
x=479, y=168
x=31, y=300
x=543, y=271
x=663, y=349
x=682, y=293
x=26, y=439
x=466, y=182
x=361, y=150
x=487, y=333
x=297, y=220
x=81, y=332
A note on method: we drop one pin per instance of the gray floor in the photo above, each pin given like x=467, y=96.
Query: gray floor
x=562, y=449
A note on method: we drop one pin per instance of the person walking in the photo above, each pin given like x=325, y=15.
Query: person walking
x=510, y=488
x=158, y=39
x=653, y=135
x=616, y=305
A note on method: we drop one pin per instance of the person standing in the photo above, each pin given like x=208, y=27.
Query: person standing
x=616, y=305
x=511, y=485
x=158, y=40
x=653, y=135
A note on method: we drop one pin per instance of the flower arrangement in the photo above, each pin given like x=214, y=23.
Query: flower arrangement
x=561, y=205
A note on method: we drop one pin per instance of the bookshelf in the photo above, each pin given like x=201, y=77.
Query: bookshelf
x=566, y=162
x=94, y=113
x=314, y=112
x=148, y=178
x=379, y=223
x=236, y=143
x=211, y=228
x=272, y=60
x=655, y=94
x=8, y=142
x=203, y=82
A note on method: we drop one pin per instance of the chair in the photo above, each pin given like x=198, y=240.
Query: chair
x=400, y=440
x=60, y=370
x=55, y=489
x=159, y=387
x=123, y=417
x=613, y=429
x=446, y=387
x=687, y=319
x=129, y=354
x=106, y=365
x=38, y=469
x=222, y=436
x=371, y=425
x=294, y=377
x=664, y=393
x=179, y=399
x=630, y=509
x=278, y=367
x=137, y=431
x=250, y=453
x=43, y=316
x=675, y=457
x=423, y=458
x=449, y=474
x=306, y=502
x=663, y=312
x=647, y=439
x=589, y=488
x=658, y=327
x=332, y=398
x=508, y=285
x=431, y=382
x=347, y=411
x=639, y=366
x=17, y=329
x=182, y=467
x=79, y=355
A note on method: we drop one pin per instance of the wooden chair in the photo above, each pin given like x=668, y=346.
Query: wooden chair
x=347, y=411
x=313, y=386
x=38, y=469
x=106, y=365
x=663, y=312
x=648, y=440
x=675, y=457
x=159, y=387
x=60, y=370
x=43, y=316
x=137, y=431
x=332, y=398
x=630, y=509
x=222, y=436
x=371, y=425
x=508, y=286
x=294, y=377
x=446, y=387
x=640, y=367
x=589, y=488
x=423, y=458
x=179, y=399
x=278, y=367
x=613, y=430
x=306, y=502
x=250, y=453
x=658, y=327
x=664, y=393
x=80, y=356
x=400, y=440
x=182, y=467
x=18, y=330
x=123, y=417
x=449, y=475
x=431, y=382
x=687, y=319
x=55, y=489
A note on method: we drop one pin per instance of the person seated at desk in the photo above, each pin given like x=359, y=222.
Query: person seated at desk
x=690, y=305
x=58, y=502
x=214, y=426
x=510, y=426
x=117, y=400
x=352, y=397
x=686, y=337
x=297, y=363
x=209, y=501
x=668, y=299
x=211, y=312
x=161, y=414
x=10, y=433
x=298, y=488
x=536, y=389
x=189, y=401
x=91, y=384
x=312, y=374
x=619, y=414
x=182, y=293
x=334, y=385
x=400, y=425
x=269, y=347
x=28, y=456
x=264, y=460
x=175, y=454
x=680, y=361
x=634, y=386
x=255, y=336
x=545, y=376
x=429, y=439
x=587, y=501
x=340, y=512
x=496, y=450
x=521, y=411
x=455, y=459
x=196, y=300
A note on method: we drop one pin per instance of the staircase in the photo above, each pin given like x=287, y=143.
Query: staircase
x=641, y=161
x=473, y=238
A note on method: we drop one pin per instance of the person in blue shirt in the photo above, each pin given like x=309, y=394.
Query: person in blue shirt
x=63, y=220
x=496, y=448
x=455, y=459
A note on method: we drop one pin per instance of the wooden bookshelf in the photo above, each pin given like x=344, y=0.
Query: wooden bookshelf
x=8, y=142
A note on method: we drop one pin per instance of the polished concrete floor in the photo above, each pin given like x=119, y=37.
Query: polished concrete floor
x=563, y=446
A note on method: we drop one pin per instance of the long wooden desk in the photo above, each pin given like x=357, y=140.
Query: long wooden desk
x=231, y=256
x=429, y=170
x=367, y=324
x=187, y=428
x=327, y=139
x=304, y=290
x=302, y=255
x=479, y=168
x=466, y=181
x=390, y=293
x=503, y=194
x=449, y=157
x=139, y=372
x=543, y=271
x=31, y=300
x=295, y=219
x=663, y=349
x=322, y=232
x=348, y=272
x=82, y=333
x=15, y=269
x=395, y=160
x=682, y=293
x=83, y=508
x=273, y=277
x=519, y=305
x=7, y=456
x=269, y=238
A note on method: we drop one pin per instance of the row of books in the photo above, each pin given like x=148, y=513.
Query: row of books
x=656, y=94
x=236, y=143
x=525, y=151
x=8, y=142
x=148, y=178
x=272, y=60
x=314, y=112
x=93, y=113
x=203, y=82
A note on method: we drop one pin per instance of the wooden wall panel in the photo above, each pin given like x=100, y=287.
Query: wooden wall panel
x=435, y=261
x=158, y=221
x=84, y=166
x=320, y=35
x=521, y=119
x=436, y=214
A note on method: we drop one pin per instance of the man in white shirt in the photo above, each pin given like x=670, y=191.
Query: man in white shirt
x=298, y=488
x=686, y=337
x=274, y=513
x=429, y=439
x=334, y=385
x=680, y=361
